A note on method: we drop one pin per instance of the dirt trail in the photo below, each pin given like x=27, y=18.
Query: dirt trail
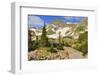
x=73, y=54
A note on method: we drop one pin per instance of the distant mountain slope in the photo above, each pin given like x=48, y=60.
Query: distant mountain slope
x=57, y=26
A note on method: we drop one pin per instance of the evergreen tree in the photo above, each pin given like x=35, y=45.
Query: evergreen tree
x=44, y=38
x=59, y=38
x=29, y=36
x=60, y=46
x=31, y=44
x=37, y=40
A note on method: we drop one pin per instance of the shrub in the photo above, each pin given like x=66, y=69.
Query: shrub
x=82, y=43
x=51, y=49
x=78, y=46
x=85, y=48
x=60, y=47
x=66, y=44
x=32, y=46
x=80, y=28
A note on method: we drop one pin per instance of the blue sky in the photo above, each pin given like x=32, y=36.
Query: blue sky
x=37, y=21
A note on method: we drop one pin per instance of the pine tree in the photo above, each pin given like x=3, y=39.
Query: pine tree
x=60, y=46
x=44, y=38
x=29, y=36
x=59, y=38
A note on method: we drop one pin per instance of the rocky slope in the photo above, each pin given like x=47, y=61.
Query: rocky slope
x=67, y=53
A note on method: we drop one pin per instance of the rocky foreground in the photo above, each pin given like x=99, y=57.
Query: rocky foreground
x=67, y=53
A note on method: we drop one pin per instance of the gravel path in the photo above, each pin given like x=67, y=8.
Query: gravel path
x=73, y=54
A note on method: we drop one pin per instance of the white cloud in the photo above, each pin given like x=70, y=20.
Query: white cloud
x=68, y=17
x=73, y=19
x=35, y=21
